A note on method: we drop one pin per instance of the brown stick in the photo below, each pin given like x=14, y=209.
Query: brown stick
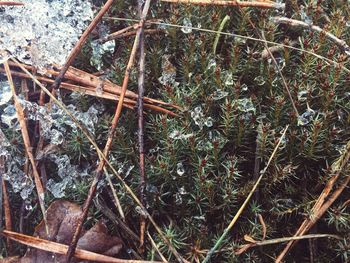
x=99, y=170
x=87, y=79
x=91, y=91
x=26, y=141
x=296, y=23
x=7, y=209
x=141, y=91
x=58, y=248
x=132, y=33
x=80, y=43
x=226, y=3
x=10, y=3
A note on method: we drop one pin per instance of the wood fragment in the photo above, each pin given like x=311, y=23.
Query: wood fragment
x=26, y=141
x=258, y=4
x=297, y=23
x=7, y=3
x=58, y=248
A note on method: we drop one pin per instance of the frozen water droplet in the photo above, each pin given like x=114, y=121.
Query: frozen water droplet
x=211, y=64
x=141, y=211
x=245, y=105
x=347, y=24
x=178, y=199
x=244, y=87
x=180, y=170
x=306, y=117
x=198, y=116
x=302, y=95
x=259, y=80
x=229, y=79
x=28, y=206
x=98, y=50
x=9, y=115
x=175, y=135
x=304, y=16
x=5, y=92
x=219, y=94
x=56, y=137
x=182, y=190
x=209, y=122
x=187, y=26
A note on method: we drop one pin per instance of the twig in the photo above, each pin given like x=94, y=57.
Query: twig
x=58, y=248
x=128, y=103
x=86, y=79
x=156, y=247
x=101, y=155
x=80, y=43
x=228, y=3
x=240, y=210
x=28, y=148
x=327, y=60
x=141, y=91
x=10, y=3
x=296, y=23
x=245, y=247
x=99, y=169
x=132, y=33
x=6, y=204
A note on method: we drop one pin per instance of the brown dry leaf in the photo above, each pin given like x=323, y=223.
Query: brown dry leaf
x=62, y=219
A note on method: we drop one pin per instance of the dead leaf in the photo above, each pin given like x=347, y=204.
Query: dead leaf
x=62, y=219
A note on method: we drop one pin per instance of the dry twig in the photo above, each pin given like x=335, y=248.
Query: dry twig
x=26, y=141
x=296, y=23
x=258, y=4
x=62, y=249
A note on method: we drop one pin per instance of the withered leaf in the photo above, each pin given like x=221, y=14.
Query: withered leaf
x=62, y=219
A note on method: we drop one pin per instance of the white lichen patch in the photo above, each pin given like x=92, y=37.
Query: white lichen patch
x=43, y=32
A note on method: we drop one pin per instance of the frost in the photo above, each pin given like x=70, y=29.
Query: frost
x=98, y=50
x=9, y=116
x=48, y=29
x=259, y=80
x=219, y=94
x=180, y=170
x=229, y=79
x=245, y=105
x=211, y=64
x=187, y=26
x=306, y=117
x=5, y=92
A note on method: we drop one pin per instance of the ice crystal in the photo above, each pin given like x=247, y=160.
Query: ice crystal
x=98, y=50
x=245, y=105
x=180, y=170
x=187, y=26
x=219, y=94
x=306, y=117
x=9, y=116
x=259, y=80
x=5, y=92
x=48, y=29
x=229, y=79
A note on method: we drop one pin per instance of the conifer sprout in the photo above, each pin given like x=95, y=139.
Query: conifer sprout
x=48, y=30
